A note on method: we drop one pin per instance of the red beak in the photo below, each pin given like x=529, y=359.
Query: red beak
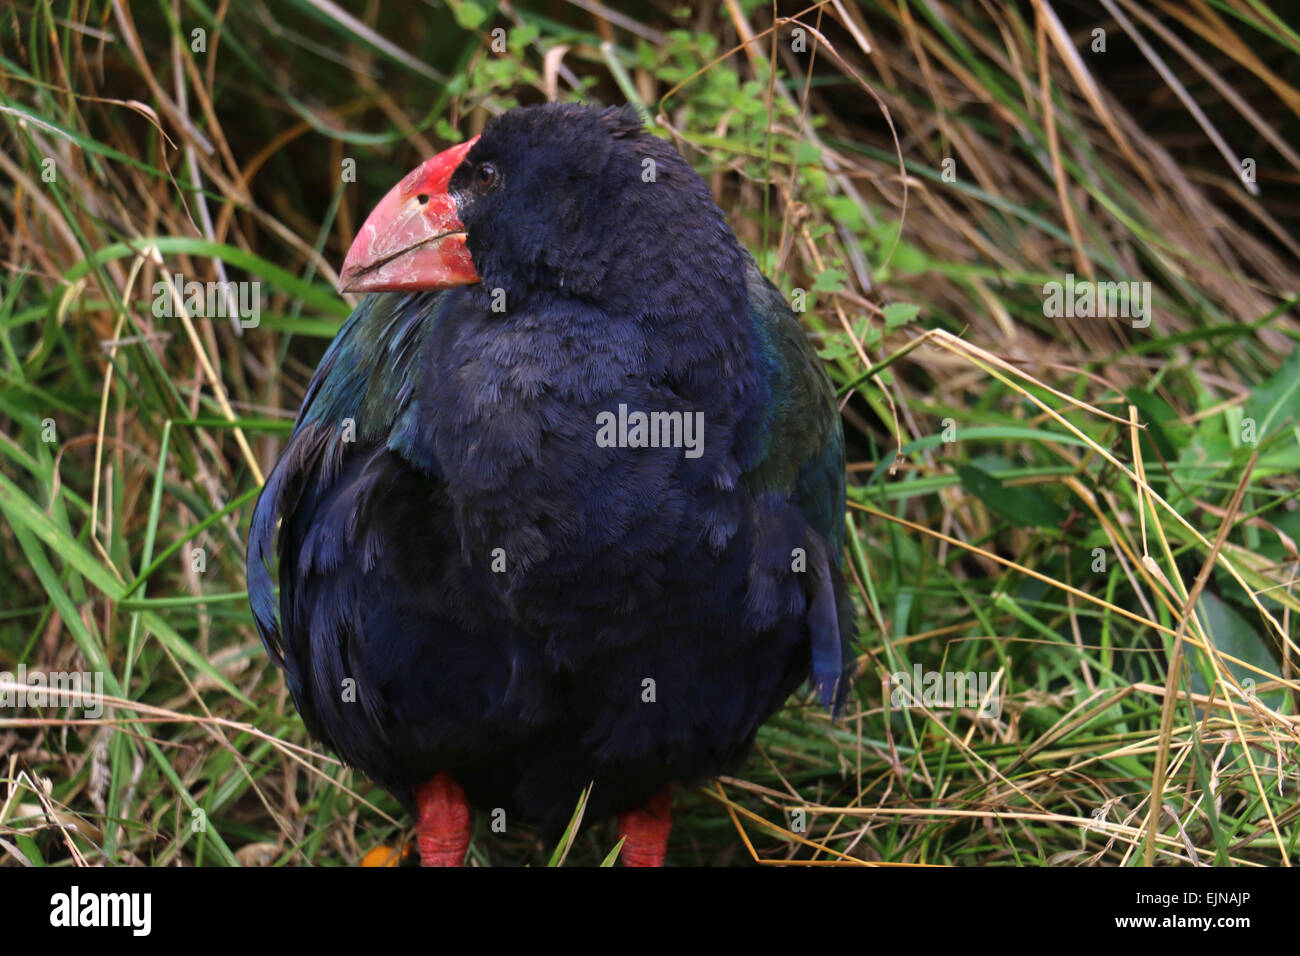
x=413, y=240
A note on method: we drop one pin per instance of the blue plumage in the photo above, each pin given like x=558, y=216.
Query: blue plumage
x=508, y=600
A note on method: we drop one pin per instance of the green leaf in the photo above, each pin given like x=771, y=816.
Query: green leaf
x=898, y=314
x=1278, y=399
x=571, y=831
x=908, y=260
x=830, y=280
x=1237, y=637
x=1155, y=412
x=469, y=14
x=836, y=347
x=612, y=856
x=1023, y=507
x=807, y=154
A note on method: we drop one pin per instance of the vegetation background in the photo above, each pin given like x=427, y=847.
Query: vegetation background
x=1097, y=514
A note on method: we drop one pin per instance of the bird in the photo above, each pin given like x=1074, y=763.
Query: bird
x=563, y=506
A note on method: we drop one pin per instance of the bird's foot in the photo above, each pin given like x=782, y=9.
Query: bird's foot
x=646, y=831
x=442, y=828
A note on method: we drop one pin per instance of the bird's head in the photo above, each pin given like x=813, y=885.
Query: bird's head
x=564, y=199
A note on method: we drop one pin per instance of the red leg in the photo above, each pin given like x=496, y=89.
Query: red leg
x=442, y=828
x=646, y=830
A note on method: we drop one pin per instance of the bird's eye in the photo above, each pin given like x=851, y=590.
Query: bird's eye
x=487, y=175
x=422, y=198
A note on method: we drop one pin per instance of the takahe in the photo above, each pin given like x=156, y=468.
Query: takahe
x=564, y=501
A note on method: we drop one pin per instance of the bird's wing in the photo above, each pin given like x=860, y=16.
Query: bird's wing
x=361, y=401
x=794, y=452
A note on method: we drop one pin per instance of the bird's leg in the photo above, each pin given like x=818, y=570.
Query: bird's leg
x=442, y=828
x=646, y=831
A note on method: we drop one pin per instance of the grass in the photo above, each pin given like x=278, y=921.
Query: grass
x=1098, y=515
